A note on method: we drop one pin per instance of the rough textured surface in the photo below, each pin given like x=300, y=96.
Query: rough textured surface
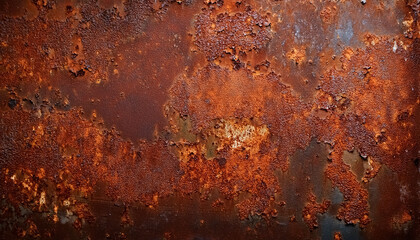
x=211, y=119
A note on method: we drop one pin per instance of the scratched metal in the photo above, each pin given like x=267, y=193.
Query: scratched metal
x=210, y=119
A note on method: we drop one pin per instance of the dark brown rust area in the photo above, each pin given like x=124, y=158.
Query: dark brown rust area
x=192, y=118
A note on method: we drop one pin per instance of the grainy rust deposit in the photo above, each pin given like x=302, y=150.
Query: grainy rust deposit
x=210, y=119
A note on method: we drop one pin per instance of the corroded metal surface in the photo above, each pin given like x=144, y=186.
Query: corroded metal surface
x=210, y=119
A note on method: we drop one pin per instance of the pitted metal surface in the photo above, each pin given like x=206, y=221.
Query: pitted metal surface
x=123, y=119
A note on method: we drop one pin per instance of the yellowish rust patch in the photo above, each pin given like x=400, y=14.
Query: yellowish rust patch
x=241, y=134
x=233, y=134
x=298, y=55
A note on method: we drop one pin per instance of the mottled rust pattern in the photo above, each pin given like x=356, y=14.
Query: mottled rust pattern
x=209, y=119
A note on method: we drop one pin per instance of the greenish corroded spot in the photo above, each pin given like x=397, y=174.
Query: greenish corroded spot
x=211, y=147
x=185, y=130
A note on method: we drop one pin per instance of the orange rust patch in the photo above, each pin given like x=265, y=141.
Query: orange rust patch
x=313, y=208
x=244, y=31
x=138, y=101
x=296, y=55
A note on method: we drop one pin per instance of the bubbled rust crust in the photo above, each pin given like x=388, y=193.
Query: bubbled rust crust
x=292, y=118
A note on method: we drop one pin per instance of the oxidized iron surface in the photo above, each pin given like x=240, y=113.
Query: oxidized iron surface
x=210, y=119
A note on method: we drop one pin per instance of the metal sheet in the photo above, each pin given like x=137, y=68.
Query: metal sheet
x=212, y=119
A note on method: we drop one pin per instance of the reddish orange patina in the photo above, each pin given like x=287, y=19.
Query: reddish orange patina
x=209, y=119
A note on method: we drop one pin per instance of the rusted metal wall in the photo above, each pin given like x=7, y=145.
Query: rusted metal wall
x=246, y=119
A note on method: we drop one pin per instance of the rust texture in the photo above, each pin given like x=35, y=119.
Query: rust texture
x=162, y=119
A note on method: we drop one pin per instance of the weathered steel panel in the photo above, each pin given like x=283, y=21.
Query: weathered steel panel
x=245, y=119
